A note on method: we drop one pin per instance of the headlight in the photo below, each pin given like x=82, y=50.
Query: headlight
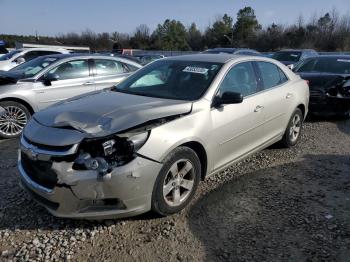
x=102, y=155
x=137, y=141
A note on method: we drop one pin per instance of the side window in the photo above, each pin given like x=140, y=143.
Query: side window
x=271, y=75
x=71, y=70
x=131, y=68
x=41, y=53
x=30, y=55
x=240, y=79
x=109, y=67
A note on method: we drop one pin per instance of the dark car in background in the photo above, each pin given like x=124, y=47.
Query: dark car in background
x=290, y=57
x=329, y=82
x=233, y=51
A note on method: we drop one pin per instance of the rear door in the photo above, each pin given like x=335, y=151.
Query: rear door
x=277, y=95
x=73, y=79
x=238, y=128
x=108, y=72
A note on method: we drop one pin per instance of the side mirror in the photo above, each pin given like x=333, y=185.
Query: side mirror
x=50, y=78
x=20, y=60
x=228, y=98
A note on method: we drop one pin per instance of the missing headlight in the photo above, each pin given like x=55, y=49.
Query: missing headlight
x=103, y=154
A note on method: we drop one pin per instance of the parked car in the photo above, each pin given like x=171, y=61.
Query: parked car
x=41, y=82
x=268, y=54
x=290, y=57
x=3, y=50
x=146, y=143
x=128, y=57
x=19, y=56
x=233, y=51
x=146, y=59
x=329, y=81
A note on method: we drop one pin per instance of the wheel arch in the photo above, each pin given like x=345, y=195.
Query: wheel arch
x=19, y=100
x=199, y=149
x=302, y=108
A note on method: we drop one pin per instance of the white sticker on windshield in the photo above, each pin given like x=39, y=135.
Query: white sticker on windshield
x=343, y=60
x=196, y=70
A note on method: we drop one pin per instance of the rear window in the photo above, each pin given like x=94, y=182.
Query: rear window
x=287, y=56
x=335, y=65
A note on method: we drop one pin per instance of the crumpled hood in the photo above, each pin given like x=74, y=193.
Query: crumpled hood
x=108, y=112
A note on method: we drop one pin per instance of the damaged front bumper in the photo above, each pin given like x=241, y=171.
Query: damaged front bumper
x=84, y=194
x=324, y=104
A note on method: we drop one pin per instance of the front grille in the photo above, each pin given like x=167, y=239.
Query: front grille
x=39, y=171
x=46, y=147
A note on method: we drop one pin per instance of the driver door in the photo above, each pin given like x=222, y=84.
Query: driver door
x=73, y=78
x=238, y=128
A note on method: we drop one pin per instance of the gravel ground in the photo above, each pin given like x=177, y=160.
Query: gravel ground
x=278, y=205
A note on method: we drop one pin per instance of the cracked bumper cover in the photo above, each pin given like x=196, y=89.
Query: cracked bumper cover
x=79, y=193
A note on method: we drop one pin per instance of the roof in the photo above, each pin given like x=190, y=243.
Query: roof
x=296, y=50
x=211, y=58
x=333, y=56
x=84, y=55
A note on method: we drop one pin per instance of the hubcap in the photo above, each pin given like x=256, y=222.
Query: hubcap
x=178, y=183
x=294, y=131
x=12, y=121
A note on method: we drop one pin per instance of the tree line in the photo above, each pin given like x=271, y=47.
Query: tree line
x=328, y=32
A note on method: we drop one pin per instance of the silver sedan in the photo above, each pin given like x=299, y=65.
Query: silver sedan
x=37, y=84
x=148, y=142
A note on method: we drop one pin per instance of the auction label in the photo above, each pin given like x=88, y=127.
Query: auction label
x=196, y=70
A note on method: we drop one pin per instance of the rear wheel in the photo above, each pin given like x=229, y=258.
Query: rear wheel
x=177, y=181
x=294, y=128
x=13, y=120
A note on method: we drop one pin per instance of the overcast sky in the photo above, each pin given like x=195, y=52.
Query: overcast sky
x=50, y=17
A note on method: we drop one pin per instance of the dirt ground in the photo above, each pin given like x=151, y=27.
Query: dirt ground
x=278, y=205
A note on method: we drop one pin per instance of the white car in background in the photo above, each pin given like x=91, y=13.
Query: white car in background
x=19, y=56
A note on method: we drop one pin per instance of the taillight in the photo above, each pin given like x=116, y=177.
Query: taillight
x=307, y=82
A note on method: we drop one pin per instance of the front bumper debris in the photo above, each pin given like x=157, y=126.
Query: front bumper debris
x=125, y=191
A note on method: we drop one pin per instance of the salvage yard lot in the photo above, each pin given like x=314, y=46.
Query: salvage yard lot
x=278, y=205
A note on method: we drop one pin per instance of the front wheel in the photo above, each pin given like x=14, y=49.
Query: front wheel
x=294, y=128
x=177, y=181
x=13, y=120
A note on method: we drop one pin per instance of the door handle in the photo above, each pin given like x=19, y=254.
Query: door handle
x=258, y=109
x=289, y=95
x=88, y=83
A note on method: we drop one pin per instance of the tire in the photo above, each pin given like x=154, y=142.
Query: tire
x=13, y=121
x=172, y=190
x=294, y=129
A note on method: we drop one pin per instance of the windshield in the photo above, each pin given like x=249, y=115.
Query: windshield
x=287, y=56
x=334, y=65
x=180, y=80
x=9, y=55
x=33, y=67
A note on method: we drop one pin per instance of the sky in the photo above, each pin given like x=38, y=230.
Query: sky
x=51, y=17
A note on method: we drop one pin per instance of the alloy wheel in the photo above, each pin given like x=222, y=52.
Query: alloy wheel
x=295, y=128
x=13, y=121
x=178, y=183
